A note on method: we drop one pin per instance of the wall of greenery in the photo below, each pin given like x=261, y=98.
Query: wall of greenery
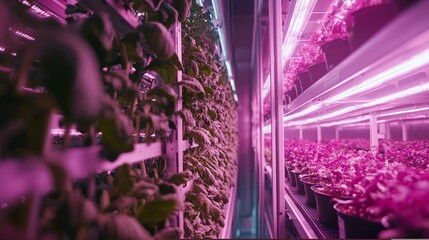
x=92, y=76
x=209, y=112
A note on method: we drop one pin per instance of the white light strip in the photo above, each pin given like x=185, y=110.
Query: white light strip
x=404, y=111
x=2, y=49
x=217, y=14
x=232, y=84
x=228, y=68
x=399, y=70
x=21, y=34
x=401, y=94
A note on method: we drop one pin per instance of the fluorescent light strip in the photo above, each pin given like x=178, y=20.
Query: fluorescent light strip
x=407, y=66
x=217, y=14
x=366, y=117
x=300, y=16
x=401, y=94
x=404, y=111
x=401, y=69
x=228, y=68
x=231, y=80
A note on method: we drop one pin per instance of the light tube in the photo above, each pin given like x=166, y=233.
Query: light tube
x=404, y=111
x=2, y=49
x=217, y=14
x=228, y=68
x=232, y=84
x=401, y=69
x=401, y=94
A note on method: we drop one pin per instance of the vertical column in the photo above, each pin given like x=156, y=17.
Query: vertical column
x=275, y=17
x=175, y=145
x=388, y=134
x=260, y=126
x=319, y=133
x=301, y=133
x=337, y=132
x=373, y=133
x=404, y=131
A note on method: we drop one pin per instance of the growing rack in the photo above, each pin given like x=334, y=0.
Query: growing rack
x=82, y=161
x=385, y=81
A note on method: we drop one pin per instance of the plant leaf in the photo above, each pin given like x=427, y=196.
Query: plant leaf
x=183, y=7
x=124, y=180
x=156, y=211
x=158, y=38
x=192, y=84
x=181, y=178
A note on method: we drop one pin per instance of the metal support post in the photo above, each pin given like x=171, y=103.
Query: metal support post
x=373, y=132
x=260, y=125
x=279, y=213
x=301, y=133
x=404, y=131
x=337, y=132
x=174, y=147
x=388, y=134
x=319, y=133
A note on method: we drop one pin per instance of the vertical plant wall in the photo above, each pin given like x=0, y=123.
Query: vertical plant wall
x=93, y=77
x=210, y=120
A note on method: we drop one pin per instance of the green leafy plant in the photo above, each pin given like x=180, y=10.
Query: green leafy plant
x=210, y=121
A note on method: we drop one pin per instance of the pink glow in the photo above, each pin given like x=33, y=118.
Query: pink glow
x=390, y=74
x=399, y=70
x=21, y=34
x=300, y=16
x=347, y=121
x=404, y=111
x=401, y=94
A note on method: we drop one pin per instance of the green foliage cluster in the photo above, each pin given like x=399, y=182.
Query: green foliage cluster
x=94, y=77
x=209, y=113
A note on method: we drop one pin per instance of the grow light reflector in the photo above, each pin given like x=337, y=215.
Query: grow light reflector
x=404, y=111
x=412, y=64
x=398, y=95
x=407, y=66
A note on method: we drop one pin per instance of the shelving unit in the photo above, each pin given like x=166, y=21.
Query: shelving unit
x=382, y=75
x=386, y=80
x=33, y=176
